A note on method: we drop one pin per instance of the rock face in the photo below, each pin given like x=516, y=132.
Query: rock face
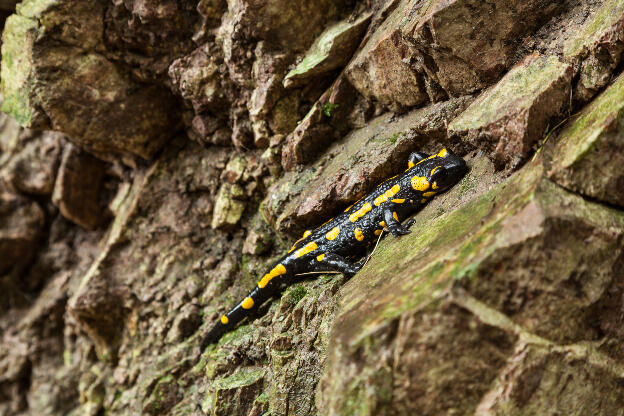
x=80, y=91
x=21, y=224
x=77, y=187
x=156, y=157
x=507, y=120
x=589, y=155
x=426, y=51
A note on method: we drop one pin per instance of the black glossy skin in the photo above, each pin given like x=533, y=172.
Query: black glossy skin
x=441, y=172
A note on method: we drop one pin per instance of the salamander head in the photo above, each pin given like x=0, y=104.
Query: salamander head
x=447, y=169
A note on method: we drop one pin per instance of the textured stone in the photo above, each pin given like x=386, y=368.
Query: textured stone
x=355, y=165
x=433, y=327
x=330, y=51
x=596, y=48
x=539, y=379
x=237, y=392
x=21, y=226
x=589, y=153
x=33, y=169
x=509, y=119
x=198, y=79
x=496, y=304
x=235, y=168
x=327, y=121
x=147, y=35
x=428, y=50
x=9, y=138
x=292, y=26
x=61, y=79
x=229, y=207
x=77, y=187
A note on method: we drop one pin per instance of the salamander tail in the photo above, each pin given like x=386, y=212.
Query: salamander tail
x=213, y=336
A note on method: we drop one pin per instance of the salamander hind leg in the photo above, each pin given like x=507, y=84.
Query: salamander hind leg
x=334, y=263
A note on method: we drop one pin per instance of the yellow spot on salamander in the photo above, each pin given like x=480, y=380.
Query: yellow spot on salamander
x=276, y=271
x=410, y=164
x=320, y=257
x=396, y=217
x=423, y=201
x=420, y=183
x=443, y=152
x=434, y=185
x=433, y=170
x=306, y=249
x=307, y=233
x=348, y=208
x=398, y=201
x=247, y=303
x=333, y=233
x=358, y=234
x=387, y=195
x=224, y=320
x=360, y=212
x=429, y=194
x=383, y=224
x=377, y=232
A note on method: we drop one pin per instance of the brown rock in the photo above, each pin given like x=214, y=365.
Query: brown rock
x=540, y=379
x=229, y=207
x=33, y=169
x=77, y=187
x=323, y=124
x=457, y=46
x=204, y=127
x=441, y=317
x=21, y=225
x=509, y=119
x=55, y=76
x=292, y=26
x=596, y=49
x=198, y=79
x=589, y=153
x=330, y=51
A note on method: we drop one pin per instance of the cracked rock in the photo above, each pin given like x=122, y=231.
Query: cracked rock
x=507, y=120
x=589, y=153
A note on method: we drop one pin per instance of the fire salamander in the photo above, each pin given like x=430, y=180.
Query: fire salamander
x=336, y=244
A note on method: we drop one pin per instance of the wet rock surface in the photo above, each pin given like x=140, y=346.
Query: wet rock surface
x=81, y=91
x=589, y=152
x=426, y=51
x=187, y=144
x=507, y=120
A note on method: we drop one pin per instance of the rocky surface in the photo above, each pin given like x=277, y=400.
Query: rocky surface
x=169, y=151
x=509, y=119
x=589, y=154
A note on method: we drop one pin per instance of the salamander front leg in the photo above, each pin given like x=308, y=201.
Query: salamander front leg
x=335, y=263
x=393, y=224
